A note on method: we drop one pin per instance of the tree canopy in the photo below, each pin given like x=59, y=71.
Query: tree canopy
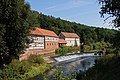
x=14, y=29
x=112, y=8
x=88, y=34
x=17, y=19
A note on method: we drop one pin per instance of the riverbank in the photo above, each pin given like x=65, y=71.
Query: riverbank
x=37, y=66
x=107, y=68
x=68, y=68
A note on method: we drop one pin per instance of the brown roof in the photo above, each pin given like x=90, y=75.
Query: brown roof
x=70, y=35
x=43, y=32
x=61, y=41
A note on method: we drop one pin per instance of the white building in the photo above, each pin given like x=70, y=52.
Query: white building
x=72, y=39
x=38, y=42
x=43, y=39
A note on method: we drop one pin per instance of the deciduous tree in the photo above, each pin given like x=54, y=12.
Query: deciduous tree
x=14, y=29
x=112, y=8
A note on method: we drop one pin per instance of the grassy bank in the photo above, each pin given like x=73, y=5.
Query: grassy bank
x=23, y=70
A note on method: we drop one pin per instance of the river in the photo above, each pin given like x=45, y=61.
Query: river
x=79, y=64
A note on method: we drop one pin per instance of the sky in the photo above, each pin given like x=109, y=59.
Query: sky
x=80, y=11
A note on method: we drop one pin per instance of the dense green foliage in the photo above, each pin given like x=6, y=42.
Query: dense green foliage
x=17, y=70
x=98, y=46
x=88, y=34
x=14, y=29
x=16, y=19
x=116, y=42
x=112, y=8
x=107, y=68
x=58, y=75
x=64, y=50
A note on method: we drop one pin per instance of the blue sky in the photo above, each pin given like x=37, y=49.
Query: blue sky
x=80, y=11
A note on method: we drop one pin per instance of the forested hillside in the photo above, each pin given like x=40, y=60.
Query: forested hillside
x=88, y=34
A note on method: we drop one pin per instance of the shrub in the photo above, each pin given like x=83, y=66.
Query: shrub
x=59, y=51
x=87, y=48
x=14, y=70
x=23, y=70
x=37, y=70
x=36, y=59
x=64, y=50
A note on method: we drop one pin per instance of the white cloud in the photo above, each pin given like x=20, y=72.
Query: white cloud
x=71, y=4
x=49, y=8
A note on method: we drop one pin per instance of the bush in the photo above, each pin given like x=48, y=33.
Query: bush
x=96, y=46
x=87, y=48
x=62, y=50
x=65, y=49
x=14, y=70
x=37, y=70
x=59, y=51
x=59, y=75
x=23, y=70
x=36, y=59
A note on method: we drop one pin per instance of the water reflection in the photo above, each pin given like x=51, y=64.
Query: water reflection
x=68, y=67
x=78, y=65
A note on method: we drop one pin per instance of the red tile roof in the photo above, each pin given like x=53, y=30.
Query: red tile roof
x=43, y=32
x=62, y=41
x=70, y=35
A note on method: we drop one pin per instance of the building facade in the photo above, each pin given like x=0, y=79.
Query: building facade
x=43, y=39
x=71, y=39
x=37, y=42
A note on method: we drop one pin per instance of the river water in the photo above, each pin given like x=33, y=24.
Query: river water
x=79, y=64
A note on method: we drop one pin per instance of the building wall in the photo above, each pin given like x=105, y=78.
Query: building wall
x=51, y=43
x=38, y=42
x=72, y=41
x=46, y=42
x=54, y=39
